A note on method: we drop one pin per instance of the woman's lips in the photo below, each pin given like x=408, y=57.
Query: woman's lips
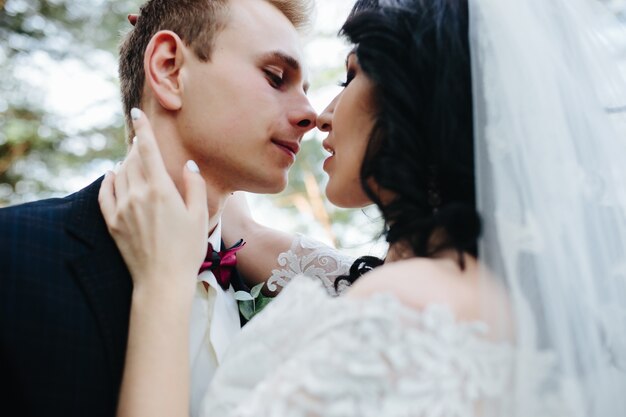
x=327, y=162
x=330, y=150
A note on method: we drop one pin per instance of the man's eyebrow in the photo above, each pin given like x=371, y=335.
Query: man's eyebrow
x=284, y=58
x=287, y=60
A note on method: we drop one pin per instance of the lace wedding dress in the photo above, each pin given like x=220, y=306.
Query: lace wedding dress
x=313, y=354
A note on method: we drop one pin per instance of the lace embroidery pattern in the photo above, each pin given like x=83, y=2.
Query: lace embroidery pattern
x=313, y=259
x=373, y=357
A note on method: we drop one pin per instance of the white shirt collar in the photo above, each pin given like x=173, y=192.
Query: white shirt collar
x=215, y=238
x=225, y=317
x=214, y=312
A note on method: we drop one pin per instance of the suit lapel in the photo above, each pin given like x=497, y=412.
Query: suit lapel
x=101, y=273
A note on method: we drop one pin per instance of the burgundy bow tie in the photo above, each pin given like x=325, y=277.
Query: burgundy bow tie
x=222, y=263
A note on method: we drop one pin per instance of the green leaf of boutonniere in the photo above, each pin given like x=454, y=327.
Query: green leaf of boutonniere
x=250, y=304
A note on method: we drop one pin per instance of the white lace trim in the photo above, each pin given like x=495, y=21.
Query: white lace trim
x=313, y=259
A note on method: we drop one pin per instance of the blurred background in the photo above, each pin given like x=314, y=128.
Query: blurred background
x=61, y=123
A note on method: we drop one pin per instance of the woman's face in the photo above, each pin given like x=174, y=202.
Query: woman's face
x=349, y=120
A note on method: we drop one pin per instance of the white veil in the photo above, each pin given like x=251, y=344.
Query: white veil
x=550, y=131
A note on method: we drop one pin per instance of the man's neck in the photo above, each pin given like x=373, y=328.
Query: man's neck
x=175, y=157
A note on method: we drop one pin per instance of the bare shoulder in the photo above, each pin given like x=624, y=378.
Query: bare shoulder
x=419, y=282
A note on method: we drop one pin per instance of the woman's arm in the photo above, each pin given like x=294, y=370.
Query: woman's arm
x=156, y=374
x=259, y=257
x=276, y=257
x=163, y=240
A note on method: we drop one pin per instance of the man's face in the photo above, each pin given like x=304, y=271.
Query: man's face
x=245, y=111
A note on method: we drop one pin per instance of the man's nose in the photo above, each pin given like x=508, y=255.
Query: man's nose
x=304, y=116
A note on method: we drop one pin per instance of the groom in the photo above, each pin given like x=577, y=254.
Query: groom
x=222, y=83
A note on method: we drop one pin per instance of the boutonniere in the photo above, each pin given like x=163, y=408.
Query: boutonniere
x=251, y=303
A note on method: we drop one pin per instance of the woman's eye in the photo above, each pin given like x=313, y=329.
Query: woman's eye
x=349, y=78
x=276, y=80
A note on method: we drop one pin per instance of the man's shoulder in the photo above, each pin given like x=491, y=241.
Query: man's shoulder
x=36, y=208
x=48, y=211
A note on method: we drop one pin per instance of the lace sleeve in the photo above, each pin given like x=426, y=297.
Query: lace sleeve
x=382, y=359
x=311, y=258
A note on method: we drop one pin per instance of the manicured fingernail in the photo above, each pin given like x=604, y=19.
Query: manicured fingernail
x=135, y=113
x=192, y=166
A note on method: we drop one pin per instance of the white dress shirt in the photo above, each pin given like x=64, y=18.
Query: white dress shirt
x=214, y=323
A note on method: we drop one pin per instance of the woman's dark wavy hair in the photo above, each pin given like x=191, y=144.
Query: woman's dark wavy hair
x=417, y=54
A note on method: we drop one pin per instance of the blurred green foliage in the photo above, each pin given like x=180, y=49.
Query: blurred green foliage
x=37, y=149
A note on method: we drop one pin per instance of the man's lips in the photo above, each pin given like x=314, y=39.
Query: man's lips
x=292, y=147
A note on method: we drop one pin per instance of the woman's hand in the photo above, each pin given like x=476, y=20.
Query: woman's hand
x=163, y=239
x=161, y=234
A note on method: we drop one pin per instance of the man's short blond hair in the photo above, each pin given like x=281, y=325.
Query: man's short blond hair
x=196, y=22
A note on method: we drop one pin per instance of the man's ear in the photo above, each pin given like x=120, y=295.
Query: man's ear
x=162, y=63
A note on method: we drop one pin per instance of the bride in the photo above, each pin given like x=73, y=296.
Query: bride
x=449, y=111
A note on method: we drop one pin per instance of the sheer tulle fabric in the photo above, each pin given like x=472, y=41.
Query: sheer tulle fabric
x=551, y=173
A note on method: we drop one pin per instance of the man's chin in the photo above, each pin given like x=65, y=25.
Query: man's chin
x=273, y=187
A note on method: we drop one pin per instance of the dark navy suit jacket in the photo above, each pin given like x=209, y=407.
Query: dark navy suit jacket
x=64, y=305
